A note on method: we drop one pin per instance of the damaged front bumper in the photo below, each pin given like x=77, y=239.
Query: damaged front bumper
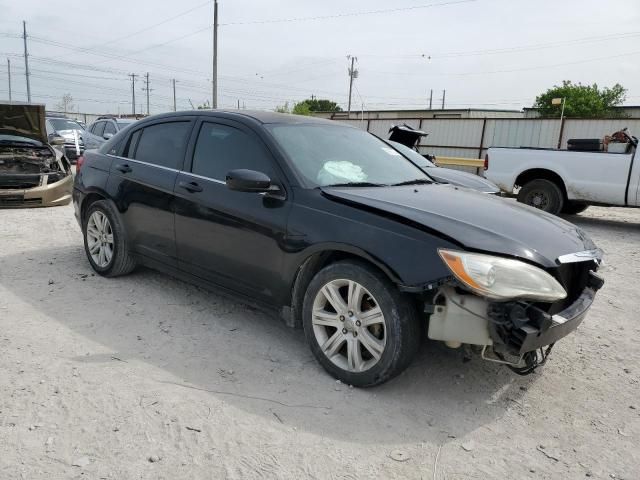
x=43, y=195
x=513, y=331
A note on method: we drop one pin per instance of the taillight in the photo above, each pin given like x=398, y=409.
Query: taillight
x=80, y=161
x=486, y=162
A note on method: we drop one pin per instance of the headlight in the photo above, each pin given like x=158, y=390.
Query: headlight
x=502, y=278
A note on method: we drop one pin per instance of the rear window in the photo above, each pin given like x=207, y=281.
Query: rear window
x=98, y=129
x=163, y=144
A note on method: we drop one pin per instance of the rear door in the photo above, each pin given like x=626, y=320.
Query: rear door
x=142, y=180
x=231, y=238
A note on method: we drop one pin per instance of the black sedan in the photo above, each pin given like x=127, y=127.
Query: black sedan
x=446, y=175
x=309, y=218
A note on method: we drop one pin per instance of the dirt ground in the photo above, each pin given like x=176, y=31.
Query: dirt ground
x=147, y=377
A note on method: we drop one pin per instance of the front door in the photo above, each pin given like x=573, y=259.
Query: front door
x=143, y=179
x=231, y=238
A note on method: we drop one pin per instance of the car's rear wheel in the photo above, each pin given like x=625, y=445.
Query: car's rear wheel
x=360, y=328
x=573, y=208
x=542, y=194
x=105, y=241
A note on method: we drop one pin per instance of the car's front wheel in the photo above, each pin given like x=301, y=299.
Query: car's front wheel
x=359, y=326
x=105, y=241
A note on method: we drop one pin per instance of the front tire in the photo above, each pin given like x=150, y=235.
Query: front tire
x=359, y=326
x=105, y=240
x=542, y=194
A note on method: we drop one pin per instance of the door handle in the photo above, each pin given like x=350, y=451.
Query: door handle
x=190, y=186
x=124, y=168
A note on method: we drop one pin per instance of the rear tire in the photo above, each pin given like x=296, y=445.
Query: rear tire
x=542, y=194
x=105, y=240
x=573, y=208
x=359, y=326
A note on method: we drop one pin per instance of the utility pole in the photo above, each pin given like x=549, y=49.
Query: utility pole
x=173, y=81
x=26, y=60
x=9, y=73
x=133, y=93
x=444, y=95
x=147, y=89
x=431, y=100
x=214, y=93
x=238, y=104
x=353, y=73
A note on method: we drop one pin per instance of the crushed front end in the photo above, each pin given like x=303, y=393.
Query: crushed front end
x=518, y=332
x=34, y=175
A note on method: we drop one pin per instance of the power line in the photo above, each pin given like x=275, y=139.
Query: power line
x=150, y=27
x=345, y=15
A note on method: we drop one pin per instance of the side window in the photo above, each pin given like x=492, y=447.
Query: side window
x=109, y=128
x=98, y=129
x=220, y=149
x=130, y=147
x=163, y=144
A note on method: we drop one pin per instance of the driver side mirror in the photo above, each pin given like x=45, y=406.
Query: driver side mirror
x=243, y=180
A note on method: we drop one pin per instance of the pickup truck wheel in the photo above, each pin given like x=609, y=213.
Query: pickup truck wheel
x=573, y=208
x=542, y=194
x=359, y=326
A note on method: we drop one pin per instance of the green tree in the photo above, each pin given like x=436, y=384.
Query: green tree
x=306, y=107
x=301, y=108
x=582, y=101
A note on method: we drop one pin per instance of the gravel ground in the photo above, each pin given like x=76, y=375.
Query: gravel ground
x=148, y=377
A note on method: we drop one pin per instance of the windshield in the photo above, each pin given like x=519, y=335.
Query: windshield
x=336, y=155
x=18, y=139
x=60, y=124
x=412, y=155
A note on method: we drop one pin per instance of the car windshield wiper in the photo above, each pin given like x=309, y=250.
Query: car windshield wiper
x=357, y=184
x=416, y=181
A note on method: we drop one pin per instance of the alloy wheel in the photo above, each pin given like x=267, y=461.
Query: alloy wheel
x=349, y=325
x=100, y=239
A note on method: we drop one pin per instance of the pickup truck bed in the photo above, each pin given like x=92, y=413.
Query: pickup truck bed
x=565, y=180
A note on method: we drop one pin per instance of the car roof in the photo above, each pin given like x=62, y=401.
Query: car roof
x=258, y=116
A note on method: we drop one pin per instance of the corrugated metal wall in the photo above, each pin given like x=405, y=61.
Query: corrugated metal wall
x=470, y=137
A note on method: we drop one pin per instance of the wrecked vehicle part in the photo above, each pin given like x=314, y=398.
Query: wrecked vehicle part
x=32, y=172
x=518, y=333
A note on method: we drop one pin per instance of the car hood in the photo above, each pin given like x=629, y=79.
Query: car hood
x=474, y=220
x=26, y=120
x=462, y=179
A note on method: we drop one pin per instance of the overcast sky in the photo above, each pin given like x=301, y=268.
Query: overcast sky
x=485, y=53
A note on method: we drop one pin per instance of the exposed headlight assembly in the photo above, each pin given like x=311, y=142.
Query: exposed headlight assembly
x=502, y=278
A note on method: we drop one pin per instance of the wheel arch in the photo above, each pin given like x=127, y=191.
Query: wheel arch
x=91, y=197
x=315, y=260
x=541, y=174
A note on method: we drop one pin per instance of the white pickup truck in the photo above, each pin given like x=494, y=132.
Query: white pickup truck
x=567, y=181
